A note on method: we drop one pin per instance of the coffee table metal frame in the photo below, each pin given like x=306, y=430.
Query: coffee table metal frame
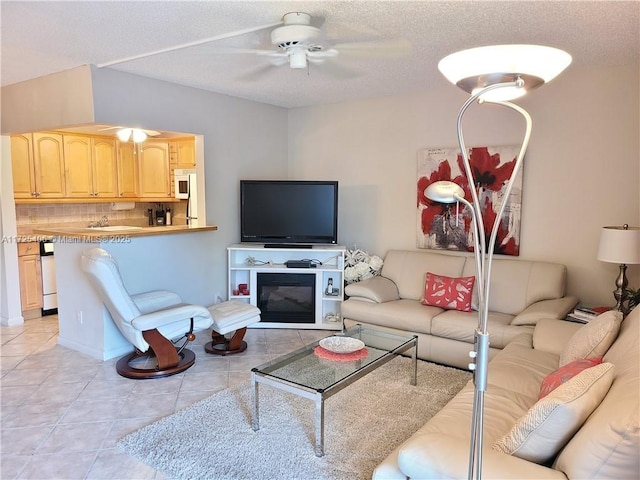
x=263, y=374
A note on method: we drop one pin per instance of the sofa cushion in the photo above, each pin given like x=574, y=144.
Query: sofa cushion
x=461, y=326
x=407, y=268
x=447, y=292
x=594, y=339
x=407, y=315
x=549, y=424
x=608, y=444
x=566, y=373
x=516, y=284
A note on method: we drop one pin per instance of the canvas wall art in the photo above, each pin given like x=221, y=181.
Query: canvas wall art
x=448, y=226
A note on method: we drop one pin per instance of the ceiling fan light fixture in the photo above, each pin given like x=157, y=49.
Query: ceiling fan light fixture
x=480, y=67
x=124, y=134
x=139, y=136
x=135, y=134
x=298, y=58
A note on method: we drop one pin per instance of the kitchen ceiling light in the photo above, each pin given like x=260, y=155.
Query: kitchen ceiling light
x=124, y=134
x=476, y=68
x=137, y=135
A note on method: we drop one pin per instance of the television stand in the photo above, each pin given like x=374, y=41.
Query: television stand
x=248, y=262
x=287, y=245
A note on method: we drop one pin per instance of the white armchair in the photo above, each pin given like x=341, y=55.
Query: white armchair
x=149, y=320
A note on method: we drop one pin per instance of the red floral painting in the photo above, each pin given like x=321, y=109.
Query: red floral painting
x=449, y=226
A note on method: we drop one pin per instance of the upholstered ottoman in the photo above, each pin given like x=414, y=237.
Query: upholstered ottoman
x=227, y=317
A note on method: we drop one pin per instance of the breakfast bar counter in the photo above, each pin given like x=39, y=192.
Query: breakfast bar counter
x=177, y=258
x=118, y=230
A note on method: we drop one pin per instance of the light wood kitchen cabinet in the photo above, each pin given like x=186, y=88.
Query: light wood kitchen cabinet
x=128, y=184
x=90, y=166
x=48, y=162
x=154, y=170
x=30, y=271
x=183, y=153
x=22, y=166
x=38, y=165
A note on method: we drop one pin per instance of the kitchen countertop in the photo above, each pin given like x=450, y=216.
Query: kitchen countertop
x=120, y=231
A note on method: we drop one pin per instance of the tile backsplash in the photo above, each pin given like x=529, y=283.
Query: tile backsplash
x=30, y=215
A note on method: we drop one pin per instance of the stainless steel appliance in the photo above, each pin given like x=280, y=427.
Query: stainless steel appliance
x=49, y=290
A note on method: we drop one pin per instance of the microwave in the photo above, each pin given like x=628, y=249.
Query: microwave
x=184, y=182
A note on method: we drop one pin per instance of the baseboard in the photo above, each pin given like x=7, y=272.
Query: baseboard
x=94, y=352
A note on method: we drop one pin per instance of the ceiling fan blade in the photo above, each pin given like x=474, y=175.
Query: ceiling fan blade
x=234, y=51
x=335, y=69
x=189, y=44
x=258, y=73
x=382, y=48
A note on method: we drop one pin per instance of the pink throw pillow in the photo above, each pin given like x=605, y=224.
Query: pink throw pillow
x=565, y=373
x=447, y=292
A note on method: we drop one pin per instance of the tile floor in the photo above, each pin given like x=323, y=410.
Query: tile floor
x=63, y=412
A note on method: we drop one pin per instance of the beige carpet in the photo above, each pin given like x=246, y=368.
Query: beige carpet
x=213, y=439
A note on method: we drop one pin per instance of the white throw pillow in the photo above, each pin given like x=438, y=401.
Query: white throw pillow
x=593, y=339
x=550, y=423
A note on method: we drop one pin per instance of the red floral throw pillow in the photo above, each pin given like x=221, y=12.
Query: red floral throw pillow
x=565, y=373
x=447, y=292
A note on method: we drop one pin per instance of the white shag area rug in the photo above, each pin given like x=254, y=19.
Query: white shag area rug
x=213, y=439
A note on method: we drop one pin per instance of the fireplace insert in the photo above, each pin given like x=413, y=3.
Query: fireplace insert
x=287, y=297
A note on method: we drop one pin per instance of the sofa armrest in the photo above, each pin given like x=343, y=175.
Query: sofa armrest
x=555, y=308
x=376, y=289
x=551, y=335
x=446, y=456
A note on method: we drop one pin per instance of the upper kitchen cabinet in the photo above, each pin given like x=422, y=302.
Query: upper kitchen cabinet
x=22, y=166
x=183, y=153
x=90, y=167
x=38, y=165
x=128, y=184
x=154, y=170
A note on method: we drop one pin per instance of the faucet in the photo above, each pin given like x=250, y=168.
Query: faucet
x=103, y=222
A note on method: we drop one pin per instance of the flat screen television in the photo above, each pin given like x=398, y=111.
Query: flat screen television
x=297, y=212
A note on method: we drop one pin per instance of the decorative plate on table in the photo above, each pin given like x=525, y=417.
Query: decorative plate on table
x=338, y=344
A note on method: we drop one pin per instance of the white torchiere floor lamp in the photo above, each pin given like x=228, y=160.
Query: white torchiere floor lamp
x=495, y=74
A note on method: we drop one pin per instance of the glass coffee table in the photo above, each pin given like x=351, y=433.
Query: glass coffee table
x=308, y=375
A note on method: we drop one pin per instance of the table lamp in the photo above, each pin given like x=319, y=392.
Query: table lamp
x=620, y=245
x=495, y=74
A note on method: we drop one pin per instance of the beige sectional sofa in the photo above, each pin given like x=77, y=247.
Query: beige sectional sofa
x=522, y=292
x=605, y=446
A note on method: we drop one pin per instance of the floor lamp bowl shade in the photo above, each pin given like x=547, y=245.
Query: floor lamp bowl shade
x=477, y=68
x=619, y=245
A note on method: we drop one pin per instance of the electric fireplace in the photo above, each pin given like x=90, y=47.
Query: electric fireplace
x=286, y=297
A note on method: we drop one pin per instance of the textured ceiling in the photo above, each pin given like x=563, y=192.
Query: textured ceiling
x=39, y=38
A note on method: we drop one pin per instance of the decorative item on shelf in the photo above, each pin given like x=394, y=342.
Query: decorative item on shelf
x=494, y=74
x=620, y=245
x=333, y=317
x=331, y=290
x=243, y=289
x=360, y=265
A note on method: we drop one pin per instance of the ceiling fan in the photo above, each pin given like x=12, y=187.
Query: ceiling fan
x=138, y=135
x=297, y=43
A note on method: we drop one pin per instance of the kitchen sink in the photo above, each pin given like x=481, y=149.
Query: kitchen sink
x=111, y=228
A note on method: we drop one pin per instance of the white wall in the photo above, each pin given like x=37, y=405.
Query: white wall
x=581, y=171
x=242, y=139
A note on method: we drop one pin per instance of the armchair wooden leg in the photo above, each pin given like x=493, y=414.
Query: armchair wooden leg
x=165, y=351
x=236, y=341
x=219, y=345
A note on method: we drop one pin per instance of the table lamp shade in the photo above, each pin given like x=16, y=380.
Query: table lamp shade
x=619, y=245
